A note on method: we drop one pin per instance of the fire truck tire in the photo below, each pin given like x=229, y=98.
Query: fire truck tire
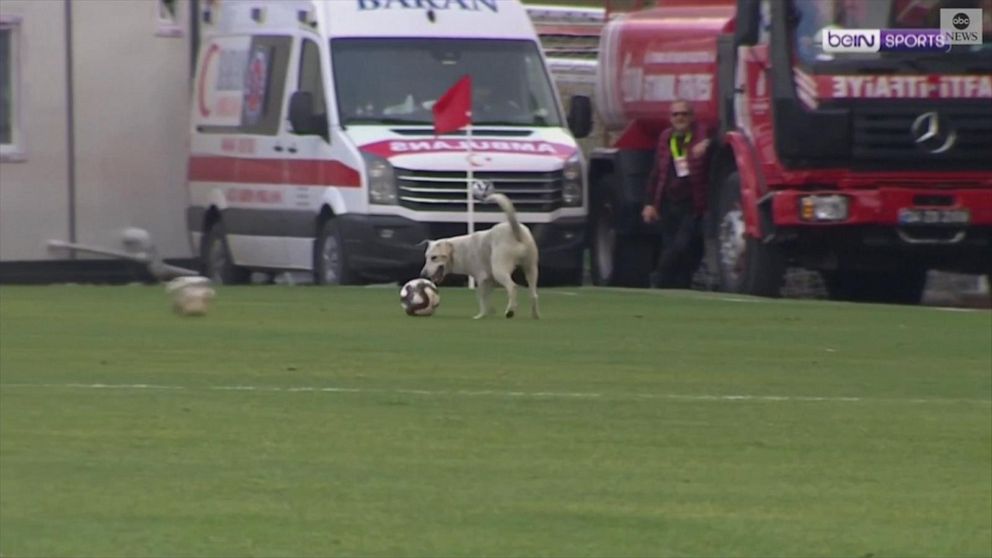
x=890, y=287
x=218, y=264
x=330, y=259
x=744, y=264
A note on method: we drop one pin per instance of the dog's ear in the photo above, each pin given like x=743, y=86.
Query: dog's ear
x=422, y=244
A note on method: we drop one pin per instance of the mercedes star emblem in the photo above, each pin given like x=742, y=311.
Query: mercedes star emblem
x=482, y=188
x=931, y=135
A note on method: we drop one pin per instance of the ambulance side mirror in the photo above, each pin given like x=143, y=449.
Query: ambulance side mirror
x=580, y=116
x=301, y=115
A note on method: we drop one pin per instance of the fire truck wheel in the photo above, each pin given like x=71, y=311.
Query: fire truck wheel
x=899, y=287
x=744, y=264
x=330, y=261
x=218, y=264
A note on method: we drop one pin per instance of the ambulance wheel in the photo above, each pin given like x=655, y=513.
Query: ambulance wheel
x=559, y=277
x=745, y=264
x=330, y=260
x=218, y=264
x=616, y=259
x=602, y=244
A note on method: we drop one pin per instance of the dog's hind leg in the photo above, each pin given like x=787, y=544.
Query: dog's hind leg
x=503, y=278
x=531, y=275
x=483, y=289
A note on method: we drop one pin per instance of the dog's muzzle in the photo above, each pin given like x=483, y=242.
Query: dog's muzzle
x=436, y=277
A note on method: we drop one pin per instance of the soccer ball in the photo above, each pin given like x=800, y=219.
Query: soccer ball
x=419, y=297
x=190, y=295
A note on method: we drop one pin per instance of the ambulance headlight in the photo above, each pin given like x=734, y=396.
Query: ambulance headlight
x=382, y=180
x=571, y=182
x=823, y=208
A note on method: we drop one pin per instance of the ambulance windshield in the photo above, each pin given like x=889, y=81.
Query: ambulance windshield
x=397, y=81
x=811, y=19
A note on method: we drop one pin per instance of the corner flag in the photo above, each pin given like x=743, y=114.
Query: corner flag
x=453, y=110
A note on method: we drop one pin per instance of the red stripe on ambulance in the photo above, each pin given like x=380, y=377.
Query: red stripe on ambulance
x=292, y=172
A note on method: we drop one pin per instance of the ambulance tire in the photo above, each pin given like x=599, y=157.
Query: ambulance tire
x=620, y=260
x=745, y=264
x=602, y=243
x=218, y=264
x=561, y=277
x=330, y=260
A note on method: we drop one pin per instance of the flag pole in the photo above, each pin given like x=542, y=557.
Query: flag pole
x=453, y=111
x=471, y=195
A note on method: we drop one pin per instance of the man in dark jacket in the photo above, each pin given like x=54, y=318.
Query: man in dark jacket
x=676, y=196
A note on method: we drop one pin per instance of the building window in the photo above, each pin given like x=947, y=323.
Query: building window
x=11, y=133
x=168, y=22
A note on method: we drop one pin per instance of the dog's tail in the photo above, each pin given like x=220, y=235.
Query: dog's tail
x=506, y=205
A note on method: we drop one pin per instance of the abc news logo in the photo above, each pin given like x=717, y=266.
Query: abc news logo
x=957, y=27
x=962, y=27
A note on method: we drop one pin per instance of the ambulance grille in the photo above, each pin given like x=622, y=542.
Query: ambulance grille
x=530, y=192
x=883, y=136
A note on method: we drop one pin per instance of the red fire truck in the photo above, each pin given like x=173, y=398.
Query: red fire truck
x=871, y=168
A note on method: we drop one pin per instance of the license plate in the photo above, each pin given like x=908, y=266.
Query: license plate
x=914, y=216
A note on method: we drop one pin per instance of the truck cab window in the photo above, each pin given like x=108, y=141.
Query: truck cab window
x=310, y=78
x=397, y=81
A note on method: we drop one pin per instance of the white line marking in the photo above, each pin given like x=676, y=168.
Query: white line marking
x=97, y=386
x=504, y=394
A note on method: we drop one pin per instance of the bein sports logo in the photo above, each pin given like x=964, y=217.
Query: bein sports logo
x=851, y=40
x=957, y=27
x=838, y=41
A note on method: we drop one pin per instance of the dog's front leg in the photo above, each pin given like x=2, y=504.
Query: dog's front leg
x=483, y=288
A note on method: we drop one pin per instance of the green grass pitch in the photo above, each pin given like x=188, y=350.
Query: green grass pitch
x=307, y=421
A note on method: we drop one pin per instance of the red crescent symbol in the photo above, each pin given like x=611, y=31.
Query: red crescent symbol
x=472, y=162
x=204, y=110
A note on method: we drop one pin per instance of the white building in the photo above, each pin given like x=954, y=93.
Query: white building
x=93, y=127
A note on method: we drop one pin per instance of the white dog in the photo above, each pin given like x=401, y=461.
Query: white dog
x=490, y=257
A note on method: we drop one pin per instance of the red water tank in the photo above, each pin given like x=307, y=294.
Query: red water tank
x=651, y=57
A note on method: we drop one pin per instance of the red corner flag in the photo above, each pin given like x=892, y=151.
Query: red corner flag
x=454, y=109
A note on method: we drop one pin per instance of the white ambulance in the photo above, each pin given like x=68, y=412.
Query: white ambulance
x=313, y=148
